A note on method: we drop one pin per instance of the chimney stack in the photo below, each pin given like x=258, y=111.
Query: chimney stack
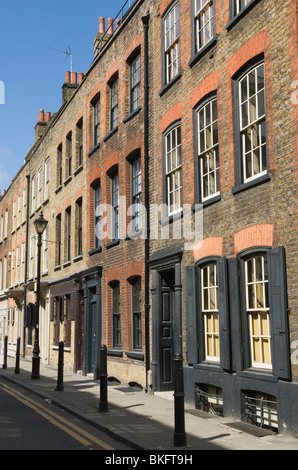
x=70, y=85
x=41, y=124
x=102, y=36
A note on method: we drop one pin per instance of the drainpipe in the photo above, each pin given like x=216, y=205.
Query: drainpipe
x=26, y=259
x=145, y=20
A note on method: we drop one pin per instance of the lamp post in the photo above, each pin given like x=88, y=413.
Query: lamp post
x=40, y=225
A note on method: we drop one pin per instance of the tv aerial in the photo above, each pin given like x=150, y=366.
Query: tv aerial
x=67, y=52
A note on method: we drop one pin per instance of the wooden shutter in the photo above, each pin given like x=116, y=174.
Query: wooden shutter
x=279, y=313
x=235, y=315
x=223, y=314
x=191, y=315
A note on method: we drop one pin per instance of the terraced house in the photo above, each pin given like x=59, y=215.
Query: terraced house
x=169, y=181
x=225, y=144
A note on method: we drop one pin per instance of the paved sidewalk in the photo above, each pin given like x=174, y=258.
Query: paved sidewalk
x=144, y=420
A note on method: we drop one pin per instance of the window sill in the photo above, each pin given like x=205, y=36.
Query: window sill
x=78, y=170
x=170, y=84
x=93, y=150
x=259, y=374
x=57, y=268
x=134, y=235
x=68, y=180
x=112, y=132
x=132, y=115
x=77, y=258
x=135, y=355
x=95, y=250
x=240, y=15
x=211, y=366
x=115, y=352
x=196, y=57
x=251, y=184
x=58, y=189
x=66, y=264
x=112, y=243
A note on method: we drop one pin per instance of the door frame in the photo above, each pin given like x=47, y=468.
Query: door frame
x=160, y=263
x=91, y=282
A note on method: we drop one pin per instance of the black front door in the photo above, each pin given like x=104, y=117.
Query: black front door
x=92, y=332
x=166, y=332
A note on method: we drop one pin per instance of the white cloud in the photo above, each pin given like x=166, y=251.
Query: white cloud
x=5, y=152
x=5, y=180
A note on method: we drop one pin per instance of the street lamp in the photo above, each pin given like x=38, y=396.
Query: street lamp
x=40, y=226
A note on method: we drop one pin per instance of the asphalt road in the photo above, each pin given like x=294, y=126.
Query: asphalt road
x=28, y=422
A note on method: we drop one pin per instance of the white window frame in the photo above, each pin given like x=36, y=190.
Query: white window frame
x=39, y=187
x=172, y=43
x=46, y=178
x=31, y=256
x=14, y=214
x=17, y=280
x=135, y=83
x=5, y=223
x=204, y=23
x=5, y=273
x=252, y=112
x=19, y=221
x=136, y=178
x=12, y=268
x=115, y=205
x=23, y=262
x=45, y=245
x=173, y=168
x=24, y=204
x=114, y=100
x=209, y=291
x=33, y=196
x=260, y=311
x=97, y=215
x=1, y=228
x=208, y=149
x=239, y=5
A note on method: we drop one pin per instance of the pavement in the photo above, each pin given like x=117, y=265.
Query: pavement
x=144, y=421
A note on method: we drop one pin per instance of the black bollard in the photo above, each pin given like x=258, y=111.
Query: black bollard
x=17, y=366
x=179, y=434
x=59, y=387
x=4, y=365
x=103, y=401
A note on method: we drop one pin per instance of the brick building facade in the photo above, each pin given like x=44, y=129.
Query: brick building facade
x=225, y=143
x=169, y=178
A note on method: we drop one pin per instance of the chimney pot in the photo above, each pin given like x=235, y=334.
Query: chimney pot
x=48, y=116
x=118, y=21
x=67, y=77
x=41, y=115
x=110, y=25
x=81, y=76
x=74, y=78
x=102, y=25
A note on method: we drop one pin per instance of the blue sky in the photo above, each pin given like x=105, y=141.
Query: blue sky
x=32, y=73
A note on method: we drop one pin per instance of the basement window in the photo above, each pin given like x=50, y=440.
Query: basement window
x=208, y=398
x=260, y=409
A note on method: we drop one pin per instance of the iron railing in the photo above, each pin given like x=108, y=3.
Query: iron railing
x=261, y=412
